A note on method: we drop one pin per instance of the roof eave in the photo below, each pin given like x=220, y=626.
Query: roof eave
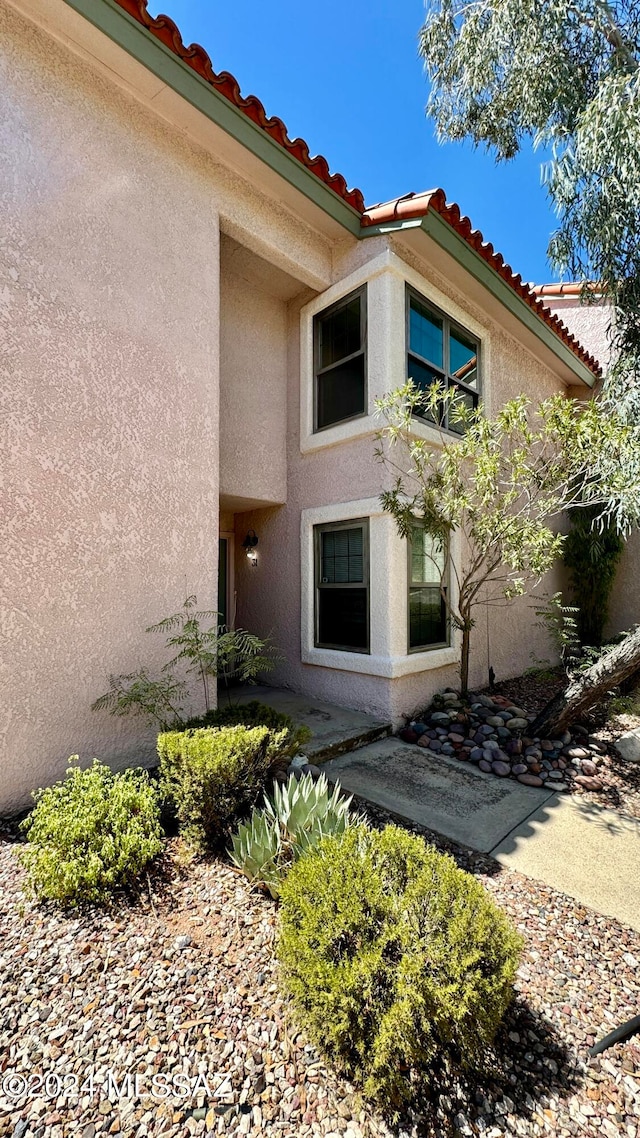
x=111, y=19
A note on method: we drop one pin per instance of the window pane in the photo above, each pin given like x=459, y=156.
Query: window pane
x=340, y=392
x=463, y=359
x=425, y=333
x=342, y=618
x=427, y=617
x=463, y=399
x=340, y=333
x=427, y=558
x=341, y=556
x=423, y=377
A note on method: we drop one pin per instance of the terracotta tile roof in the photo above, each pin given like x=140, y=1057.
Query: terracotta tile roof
x=409, y=206
x=563, y=288
x=417, y=205
x=195, y=56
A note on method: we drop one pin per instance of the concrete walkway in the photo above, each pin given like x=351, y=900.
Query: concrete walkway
x=582, y=850
x=333, y=729
x=579, y=848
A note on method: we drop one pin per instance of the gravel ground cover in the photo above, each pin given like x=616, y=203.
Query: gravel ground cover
x=180, y=985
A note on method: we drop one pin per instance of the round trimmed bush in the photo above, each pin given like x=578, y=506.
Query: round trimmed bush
x=90, y=833
x=391, y=956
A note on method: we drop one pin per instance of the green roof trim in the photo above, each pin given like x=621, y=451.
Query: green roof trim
x=120, y=27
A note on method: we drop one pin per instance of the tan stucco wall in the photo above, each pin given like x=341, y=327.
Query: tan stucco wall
x=269, y=595
x=110, y=297
x=590, y=323
x=253, y=388
x=109, y=370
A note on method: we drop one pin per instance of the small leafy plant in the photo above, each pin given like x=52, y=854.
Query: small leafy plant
x=559, y=621
x=200, y=647
x=209, y=776
x=393, y=958
x=138, y=693
x=300, y=814
x=90, y=833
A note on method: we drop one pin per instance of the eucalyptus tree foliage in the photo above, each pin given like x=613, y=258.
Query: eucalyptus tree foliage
x=565, y=74
x=498, y=487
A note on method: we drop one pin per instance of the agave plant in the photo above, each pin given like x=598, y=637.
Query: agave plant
x=255, y=850
x=299, y=815
x=305, y=811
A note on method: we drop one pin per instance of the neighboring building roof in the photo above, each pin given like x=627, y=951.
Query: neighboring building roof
x=400, y=209
x=565, y=288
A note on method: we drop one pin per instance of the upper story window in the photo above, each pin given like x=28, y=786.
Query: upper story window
x=340, y=361
x=438, y=350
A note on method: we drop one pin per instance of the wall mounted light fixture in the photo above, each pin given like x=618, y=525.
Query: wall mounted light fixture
x=249, y=545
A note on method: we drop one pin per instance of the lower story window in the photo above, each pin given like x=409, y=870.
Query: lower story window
x=342, y=585
x=428, y=585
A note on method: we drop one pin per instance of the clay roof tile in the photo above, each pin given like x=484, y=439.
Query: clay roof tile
x=195, y=56
x=418, y=205
x=400, y=209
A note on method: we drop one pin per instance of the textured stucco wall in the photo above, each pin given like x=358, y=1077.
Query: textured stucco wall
x=109, y=379
x=270, y=595
x=109, y=297
x=589, y=322
x=253, y=389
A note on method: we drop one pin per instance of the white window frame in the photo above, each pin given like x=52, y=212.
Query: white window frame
x=388, y=654
x=331, y=527
x=386, y=277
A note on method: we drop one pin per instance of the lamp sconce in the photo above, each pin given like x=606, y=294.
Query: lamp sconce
x=249, y=545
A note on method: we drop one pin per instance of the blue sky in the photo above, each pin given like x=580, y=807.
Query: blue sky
x=346, y=76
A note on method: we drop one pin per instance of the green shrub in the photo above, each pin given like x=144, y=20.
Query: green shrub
x=91, y=832
x=300, y=814
x=393, y=957
x=211, y=775
x=256, y=714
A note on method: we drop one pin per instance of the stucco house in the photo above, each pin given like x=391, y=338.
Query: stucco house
x=196, y=317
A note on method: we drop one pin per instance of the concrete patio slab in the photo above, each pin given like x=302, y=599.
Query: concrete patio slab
x=444, y=795
x=333, y=729
x=582, y=849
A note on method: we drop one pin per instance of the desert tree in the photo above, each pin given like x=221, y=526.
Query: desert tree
x=497, y=488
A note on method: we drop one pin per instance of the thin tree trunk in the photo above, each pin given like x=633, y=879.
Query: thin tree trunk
x=464, y=661
x=618, y=664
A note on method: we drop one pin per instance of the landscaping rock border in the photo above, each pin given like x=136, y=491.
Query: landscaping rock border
x=493, y=734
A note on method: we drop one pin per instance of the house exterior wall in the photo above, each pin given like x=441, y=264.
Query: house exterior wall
x=109, y=370
x=590, y=323
x=154, y=376
x=322, y=478
x=253, y=390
